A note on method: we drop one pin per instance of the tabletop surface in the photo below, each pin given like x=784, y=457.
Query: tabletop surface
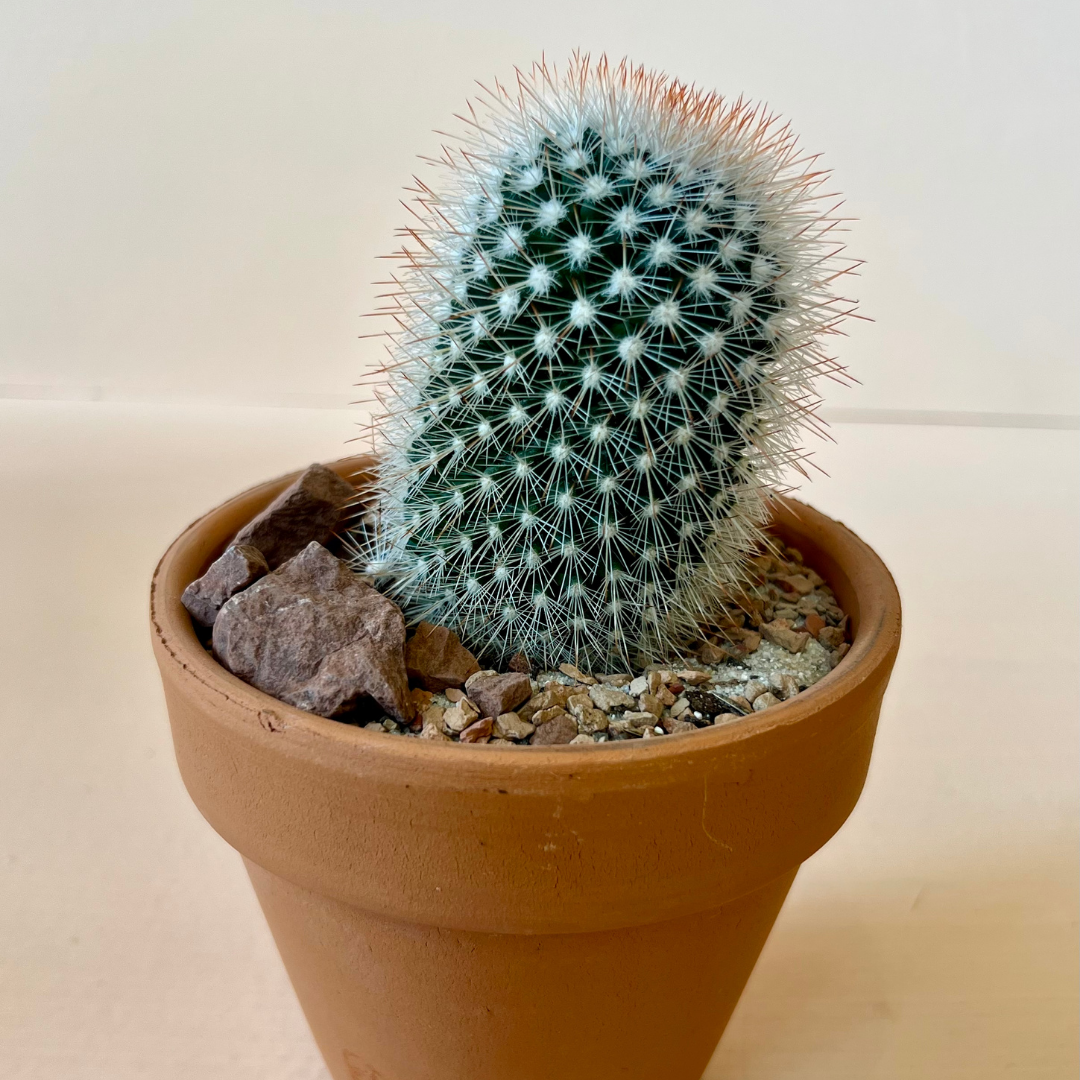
x=934, y=937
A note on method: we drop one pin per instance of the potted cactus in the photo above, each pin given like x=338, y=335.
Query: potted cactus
x=608, y=326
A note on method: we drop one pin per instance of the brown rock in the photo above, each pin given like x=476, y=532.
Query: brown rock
x=519, y=662
x=677, y=727
x=814, y=623
x=786, y=686
x=779, y=632
x=753, y=690
x=832, y=637
x=432, y=717
x=421, y=699
x=510, y=726
x=307, y=511
x=478, y=731
x=455, y=695
x=436, y=659
x=615, y=679
x=763, y=701
x=650, y=703
x=554, y=694
x=712, y=654
x=458, y=717
x=576, y=673
x=799, y=583
x=559, y=730
x=314, y=635
x=545, y=716
x=694, y=678
x=609, y=699
x=496, y=694
x=581, y=740
x=637, y=722
x=238, y=567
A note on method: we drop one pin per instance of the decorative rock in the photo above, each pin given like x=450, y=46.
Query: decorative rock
x=314, y=635
x=753, y=690
x=616, y=679
x=557, y=731
x=497, y=694
x=694, y=678
x=650, y=703
x=665, y=696
x=476, y=732
x=455, y=695
x=436, y=659
x=554, y=694
x=680, y=706
x=591, y=721
x=435, y=734
x=639, y=686
x=677, y=727
x=779, y=632
x=577, y=674
x=421, y=700
x=799, y=583
x=458, y=717
x=709, y=653
x=814, y=623
x=740, y=703
x=637, y=722
x=519, y=662
x=578, y=703
x=841, y=652
x=478, y=675
x=609, y=699
x=581, y=740
x=238, y=567
x=763, y=701
x=726, y=718
x=432, y=717
x=306, y=511
x=545, y=716
x=832, y=637
x=510, y=726
x=785, y=685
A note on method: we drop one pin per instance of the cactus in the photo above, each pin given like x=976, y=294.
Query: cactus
x=608, y=326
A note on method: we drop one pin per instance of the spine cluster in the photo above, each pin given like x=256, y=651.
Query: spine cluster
x=608, y=326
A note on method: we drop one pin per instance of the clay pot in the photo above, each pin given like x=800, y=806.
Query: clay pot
x=450, y=912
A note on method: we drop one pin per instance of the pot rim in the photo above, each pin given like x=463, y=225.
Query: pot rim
x=873, y=645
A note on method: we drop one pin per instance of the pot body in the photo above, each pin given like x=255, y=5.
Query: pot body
x=451, y=912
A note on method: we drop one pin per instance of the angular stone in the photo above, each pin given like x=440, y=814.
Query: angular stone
x=314, y=635
x=616, y=678
x=637, y=722
x=753, y=690
x=677, y=727
x=650, y=703
x=478, y=731
x=814, y=623
x=238, y=567
x=591, y=721
x=458, y=717
x=785, y=686
x=497, y=694
x=779, y=632
x=577, y=674
x=639, y=686
x=545, y=716
x=799, y=583
x=432, y=717
x=832, y=637
x=763, y=701
x=609, y=699
x=519, y=662
x=690, y=677
x=436, y=659
x=581, y=740
x=712, y=654
x=680, y=706
x=560, y=730
x=510, y=726
x=478, y=675
x=308, y=510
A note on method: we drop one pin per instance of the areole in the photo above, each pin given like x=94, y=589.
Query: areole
x=445, y=911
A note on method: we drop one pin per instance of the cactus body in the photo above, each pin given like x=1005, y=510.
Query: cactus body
x=607, y=333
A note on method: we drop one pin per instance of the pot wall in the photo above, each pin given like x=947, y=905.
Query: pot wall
x=445, y=910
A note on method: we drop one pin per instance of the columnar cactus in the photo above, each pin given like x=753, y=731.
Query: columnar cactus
x=607, y=329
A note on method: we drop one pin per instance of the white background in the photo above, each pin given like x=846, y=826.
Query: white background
x=193, y=195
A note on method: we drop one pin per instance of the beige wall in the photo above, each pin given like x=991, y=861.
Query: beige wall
x=193, y=195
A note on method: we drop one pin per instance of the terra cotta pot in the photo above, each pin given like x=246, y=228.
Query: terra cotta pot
x=471, y=912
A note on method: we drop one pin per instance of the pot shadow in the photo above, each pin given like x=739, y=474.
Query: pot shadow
x=968, y=970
